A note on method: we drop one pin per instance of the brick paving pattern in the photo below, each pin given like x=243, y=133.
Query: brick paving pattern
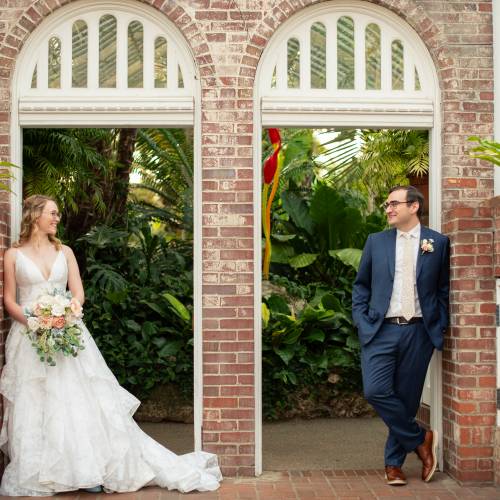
x=314, y=485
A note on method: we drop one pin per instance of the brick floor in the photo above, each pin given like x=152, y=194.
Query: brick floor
x=314, y=485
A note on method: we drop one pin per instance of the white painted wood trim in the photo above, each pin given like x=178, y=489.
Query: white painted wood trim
x=346, y=112
x=83, y=108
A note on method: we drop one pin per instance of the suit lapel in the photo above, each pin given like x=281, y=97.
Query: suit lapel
x=424, y=234
x=391, y=252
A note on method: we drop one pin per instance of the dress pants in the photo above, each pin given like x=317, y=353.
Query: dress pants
x=394, y=364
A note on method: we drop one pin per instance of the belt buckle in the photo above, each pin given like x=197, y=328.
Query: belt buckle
x=402, y=321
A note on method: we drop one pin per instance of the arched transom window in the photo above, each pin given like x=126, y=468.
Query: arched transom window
x=346, y=52
x=120, y=51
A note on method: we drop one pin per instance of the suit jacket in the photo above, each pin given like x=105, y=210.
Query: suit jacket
x=372, y=288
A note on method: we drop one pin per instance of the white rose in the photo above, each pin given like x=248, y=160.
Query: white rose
x=61, y=300
x=58, y=310
x=46, y=300
x=33, y=324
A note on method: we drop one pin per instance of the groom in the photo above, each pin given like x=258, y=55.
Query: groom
x=400, y=307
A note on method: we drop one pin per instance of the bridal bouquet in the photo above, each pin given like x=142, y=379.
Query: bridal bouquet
x=53, y=326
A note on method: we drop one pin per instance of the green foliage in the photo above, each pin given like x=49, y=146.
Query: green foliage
x=305, y=348
x=375, y=159
x=487, y=150
x=318, y=236
x=6, y=175
x=138, y=305
x=308, y=337
x=67, y=164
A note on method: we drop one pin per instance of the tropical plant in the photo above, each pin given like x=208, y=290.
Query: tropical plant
x=138, y=288
x=164, y=160
x=271, y=174
x=375, y=159
x=5, y=175
x=486, y=150
x=317, y=234
x=308, y=347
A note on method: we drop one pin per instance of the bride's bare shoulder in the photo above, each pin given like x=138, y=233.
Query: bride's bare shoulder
x=10, y=254
x=67, y=251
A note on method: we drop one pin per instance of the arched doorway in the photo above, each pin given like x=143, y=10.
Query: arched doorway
x=346, y=65
x=110, y=64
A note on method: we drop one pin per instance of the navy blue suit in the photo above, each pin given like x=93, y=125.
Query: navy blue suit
x=394, y=358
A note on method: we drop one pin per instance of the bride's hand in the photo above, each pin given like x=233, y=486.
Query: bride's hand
x=76, y=307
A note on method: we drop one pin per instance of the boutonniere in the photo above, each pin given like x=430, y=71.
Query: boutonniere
x=427, y=246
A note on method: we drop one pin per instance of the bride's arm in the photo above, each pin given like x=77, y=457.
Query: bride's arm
x=74, y=280
x=9, y=287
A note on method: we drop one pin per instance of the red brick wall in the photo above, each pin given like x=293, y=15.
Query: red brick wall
x=227, y=38
x=469, y=359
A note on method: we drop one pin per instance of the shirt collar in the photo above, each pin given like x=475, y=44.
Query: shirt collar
x=414, y=232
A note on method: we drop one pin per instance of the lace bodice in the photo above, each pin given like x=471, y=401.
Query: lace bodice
x=30, y=281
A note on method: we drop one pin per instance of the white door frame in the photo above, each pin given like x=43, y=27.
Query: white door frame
x=116, y=111
x=293, y=109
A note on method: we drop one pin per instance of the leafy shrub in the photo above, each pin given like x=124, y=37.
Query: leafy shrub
x=138, y=290
x=317, y=245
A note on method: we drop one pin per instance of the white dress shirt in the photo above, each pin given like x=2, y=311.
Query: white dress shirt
x=395, y=304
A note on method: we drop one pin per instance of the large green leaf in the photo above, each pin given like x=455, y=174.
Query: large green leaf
x=349, y=256
x=285, y=353
x=177, y=307
x=170, y=348
x=265, y=315
x=277, y=304
x=281, y=253
x=303, y=260
x=298, y=211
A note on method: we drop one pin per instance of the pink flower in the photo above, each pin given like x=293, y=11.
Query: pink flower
x=45, y=322
x=37, y=311
x=58, y=322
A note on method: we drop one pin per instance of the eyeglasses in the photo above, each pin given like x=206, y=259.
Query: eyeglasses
x=53, y=214
x=393, y=204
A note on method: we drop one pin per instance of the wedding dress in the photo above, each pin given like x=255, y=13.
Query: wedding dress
x=70, y=426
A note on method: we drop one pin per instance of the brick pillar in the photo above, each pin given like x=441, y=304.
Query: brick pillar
x=495, y=210
x=469, y=358
x=228, y=346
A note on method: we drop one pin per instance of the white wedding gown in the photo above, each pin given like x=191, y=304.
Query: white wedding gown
x=70, y=426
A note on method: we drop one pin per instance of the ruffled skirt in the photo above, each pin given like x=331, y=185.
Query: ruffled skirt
x=70, y=426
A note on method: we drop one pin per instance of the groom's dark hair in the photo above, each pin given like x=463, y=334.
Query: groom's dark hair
x=412, y=194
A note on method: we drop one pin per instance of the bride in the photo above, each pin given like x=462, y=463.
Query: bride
x=70, y=426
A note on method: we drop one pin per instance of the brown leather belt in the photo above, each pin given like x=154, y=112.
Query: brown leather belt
x=399, y=320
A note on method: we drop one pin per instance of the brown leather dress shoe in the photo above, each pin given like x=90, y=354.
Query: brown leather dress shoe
x=427, y=454
x=394, y=475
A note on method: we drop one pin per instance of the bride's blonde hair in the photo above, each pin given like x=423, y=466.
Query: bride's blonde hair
x=32, y=209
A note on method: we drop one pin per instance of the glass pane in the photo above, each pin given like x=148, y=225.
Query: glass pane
x=160, y=63
x=54, y=63
x=273, y=79
x=80, y=54
x=107, y=51
x=372, y=57
x=135, y=54
x=293, y=63
x=318, y=56
x=180, y=80
x=345, y=53
x=34, y=79
x=417, y=81
x=397, y=65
